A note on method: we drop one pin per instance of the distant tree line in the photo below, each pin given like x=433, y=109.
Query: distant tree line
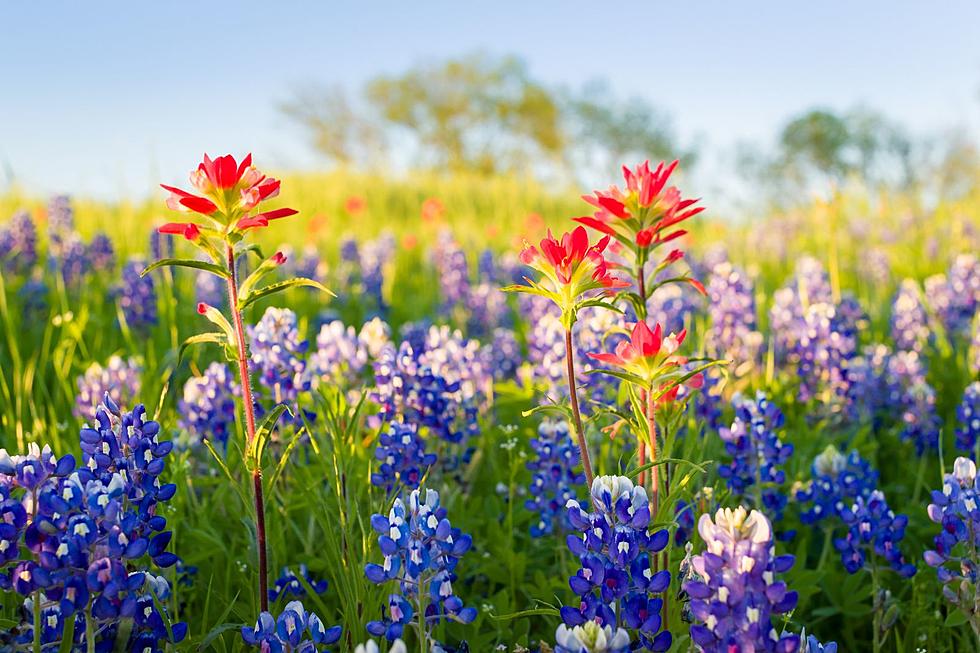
x=486, y=114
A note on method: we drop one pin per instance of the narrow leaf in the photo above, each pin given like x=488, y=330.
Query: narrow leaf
x=297, y=282
x=186, y=263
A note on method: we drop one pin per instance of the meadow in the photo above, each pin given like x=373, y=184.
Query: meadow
x=826, y=380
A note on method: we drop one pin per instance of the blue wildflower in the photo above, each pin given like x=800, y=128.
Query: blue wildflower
x=402, y=457
x=296, y=630
x=734, y=592
x=873, y=530
x=757, y=454
x=554, y=477
x=207, y=408
x=617, y=582
x=968, y=418
x=955, y=557
x=421, y=551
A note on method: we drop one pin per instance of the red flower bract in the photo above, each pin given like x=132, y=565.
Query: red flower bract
x=564, y=259
x=229, y=191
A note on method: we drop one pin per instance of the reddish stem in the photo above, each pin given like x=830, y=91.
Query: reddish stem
x=579, y=432
x=245, y=378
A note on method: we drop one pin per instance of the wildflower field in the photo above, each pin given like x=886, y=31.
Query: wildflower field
x=483, y=415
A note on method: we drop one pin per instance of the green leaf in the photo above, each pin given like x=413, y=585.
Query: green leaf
x=533, y=612
x=955, y=618
x=254, y=453
x=625, y=376
x=663, y=461
x=217, y=631
x=187, y=263
x=598, y=303
x=549, y=408
x=265, y=267
x=297, y=282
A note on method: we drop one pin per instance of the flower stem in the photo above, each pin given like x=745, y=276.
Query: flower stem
x=245, y=379
x=654, y=475
x=576, y=413
x=877, y=609
x=37, y=621
x=89, y=631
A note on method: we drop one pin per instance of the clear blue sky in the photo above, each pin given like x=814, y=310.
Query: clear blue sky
x=106, y=98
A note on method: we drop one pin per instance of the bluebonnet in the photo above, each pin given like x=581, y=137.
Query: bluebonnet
x=120, y=378
x=809, y=285
x=290, y=582
x=370, y=646
x=617, y=581
x=590, y=637
x=71, y=259
x=757, y=454
x=968, y=418
x=402, y=457
x=955, y=297
x=101, y=253
x=812, y=645
x=18, y=243
x=554, y=479
x=486, y=310
x=375, y=256
x=34, y=297
x=207, y=408
x=867, y=384
x=161, y=245
x=361, y=271
x=137, y=296
x=837, y=481
x=278, y=356
x=452, y=271
x=734, y=591
x=503, y=354
x=296, y=630
x=61, y=218
x=731, y=311
x=421, y=551
x=909, y=320
x=94, y=530
x=439, y=386
x=911, y=396
x=873, y=530
x=956, y=555
x=671, y=306
x=823, y=344
x=340, y=356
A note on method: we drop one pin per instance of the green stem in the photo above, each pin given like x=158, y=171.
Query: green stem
x=37, y=621
x=877, y=609
x=89, y=631
x=579, y=431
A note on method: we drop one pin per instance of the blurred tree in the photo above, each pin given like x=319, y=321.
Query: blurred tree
x=338, y=131
x=476, y=113
x=821, y=148
x=608, y=132
x=484, y=114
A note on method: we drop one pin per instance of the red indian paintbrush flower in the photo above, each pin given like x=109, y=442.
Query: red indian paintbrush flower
x=572, y=261
x=644, y=209
x=229, y=192
x=649, y=360
x=641, y=217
